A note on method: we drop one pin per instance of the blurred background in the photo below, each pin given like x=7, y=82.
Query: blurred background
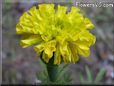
x=20, y=66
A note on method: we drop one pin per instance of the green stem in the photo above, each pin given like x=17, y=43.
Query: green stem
x=52, y=69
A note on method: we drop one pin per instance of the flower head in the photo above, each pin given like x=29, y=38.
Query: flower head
x=56, y=33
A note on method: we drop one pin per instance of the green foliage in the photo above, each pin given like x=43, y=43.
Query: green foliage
x=82, y=79
x=100, y=75
x=43, y=75
x=89, y=74
x=63, y=76
x=90, y=79
x=70, y=1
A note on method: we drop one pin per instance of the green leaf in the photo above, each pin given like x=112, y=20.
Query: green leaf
x=61, y=71
x=89, y=75
x=70, y=1
x=43, y=65
x=82, y=78
x=100, y=75
x=67, y=77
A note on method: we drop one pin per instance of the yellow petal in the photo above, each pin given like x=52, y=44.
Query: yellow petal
x=74, y=16
x=50, y=48
x=61, y=11
x=33, y=11
x=40, y=47
x=83, y=46
x=46, y=10
x=21, y=30
x=28, y=40
x=57, y=56
x=83, y=52
x=45, y=57
x=74, y=53
x=65, y=53
x=88, y=24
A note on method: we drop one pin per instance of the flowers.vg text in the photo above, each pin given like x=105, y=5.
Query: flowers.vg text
x=98, y=4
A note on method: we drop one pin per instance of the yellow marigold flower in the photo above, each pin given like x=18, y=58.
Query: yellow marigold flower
x=57, y=34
